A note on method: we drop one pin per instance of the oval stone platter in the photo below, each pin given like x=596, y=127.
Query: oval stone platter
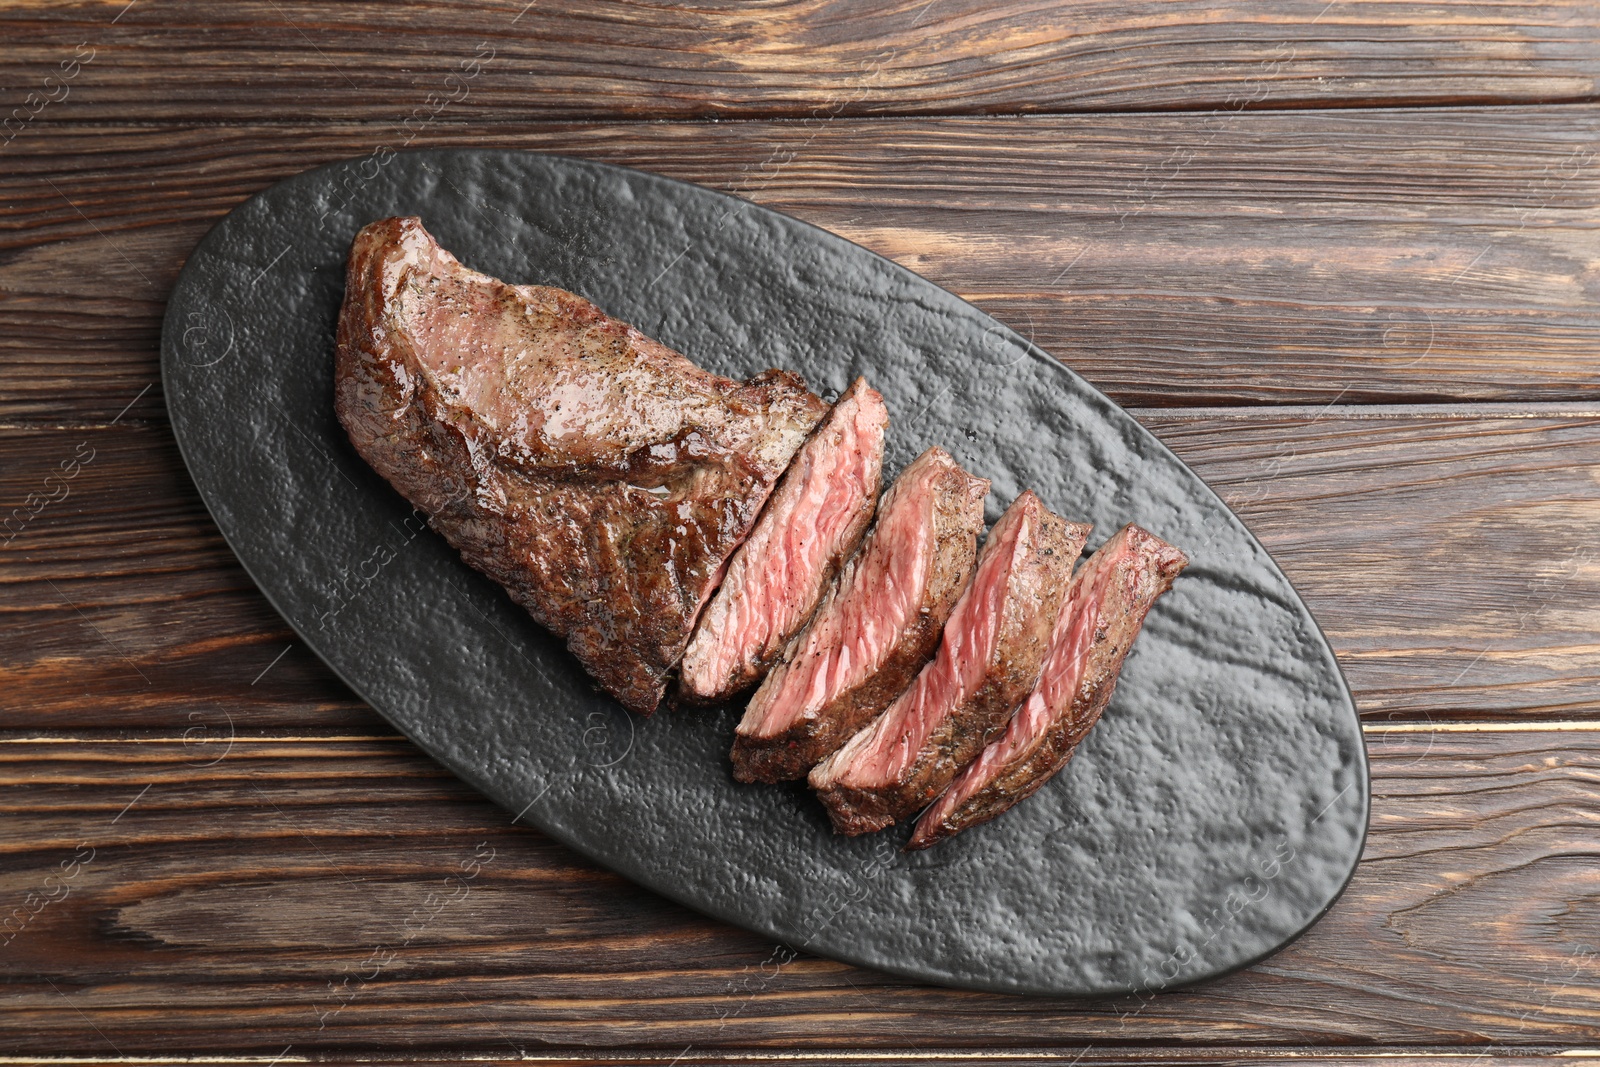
x=1215, y=813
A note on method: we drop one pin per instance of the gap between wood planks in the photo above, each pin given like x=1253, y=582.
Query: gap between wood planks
x=1527, y=1057
x=803, y=118
x=1367, y=728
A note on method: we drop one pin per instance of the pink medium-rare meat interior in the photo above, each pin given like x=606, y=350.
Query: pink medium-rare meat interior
x=1101, y=614
x=891, y=743
x=813, y=522
x=989, y=656
x=885, y=750
x=878, y=625
x=847, y=643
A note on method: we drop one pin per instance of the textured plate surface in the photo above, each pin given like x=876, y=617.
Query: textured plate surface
x=1216, y=811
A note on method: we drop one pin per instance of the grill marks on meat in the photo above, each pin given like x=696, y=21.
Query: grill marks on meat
x=1104, y=608
x=878, y=625
x=598, y=475
x=813, y=523
x=988, y=660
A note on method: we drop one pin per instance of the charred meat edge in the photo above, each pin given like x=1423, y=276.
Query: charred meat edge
x=989, y=658
x=561, y=490
x=813, y=522
x=780, y=739
x=1100, y=617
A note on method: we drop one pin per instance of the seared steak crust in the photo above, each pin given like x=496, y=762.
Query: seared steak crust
x=1100, y=617
x=878, y=626
x=812, y=524
x=989, y=658
x=597, y=475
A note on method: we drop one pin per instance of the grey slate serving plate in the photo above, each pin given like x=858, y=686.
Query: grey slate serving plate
x=1215, y=813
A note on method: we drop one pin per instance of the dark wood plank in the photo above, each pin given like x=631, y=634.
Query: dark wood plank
x=226, y=905
x=150, y=619
x=1173, y=260
x=248, y=863
x=689, y=1056
x=1090, y=1056
x=1449, y=557
x=244, y=59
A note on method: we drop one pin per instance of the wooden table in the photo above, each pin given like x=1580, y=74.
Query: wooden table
x=1343, y=256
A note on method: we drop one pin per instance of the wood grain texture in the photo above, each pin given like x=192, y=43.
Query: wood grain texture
x=259, y=848
x=1451, y=561
x=276, y=893
x=1085, y=1056
x=306, y=61
x=1305, y=257
x=124, y=608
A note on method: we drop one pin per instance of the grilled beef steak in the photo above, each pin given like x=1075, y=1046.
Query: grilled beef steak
x=878, y=625
x=599, y=476
x=812, y=524
x=988, y=660
x=1100, y=616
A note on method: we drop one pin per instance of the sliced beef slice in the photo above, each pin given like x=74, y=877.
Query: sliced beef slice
x=599, y=476
x=1101, y=615
x=877, y=627
x=989, y=658
x=813, y=523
